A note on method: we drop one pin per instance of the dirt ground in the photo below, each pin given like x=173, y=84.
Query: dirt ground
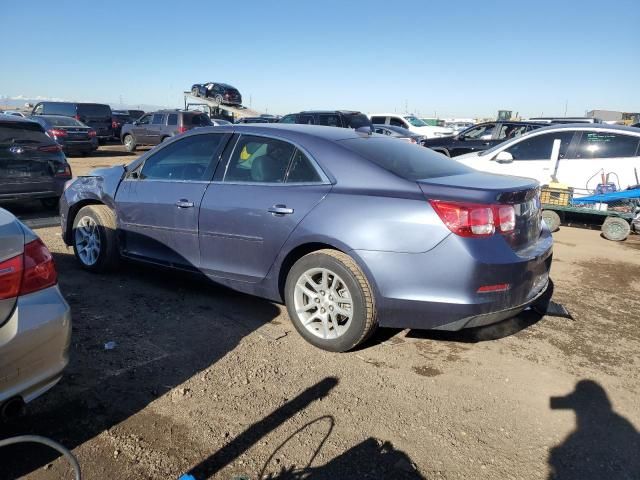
x=208, y=381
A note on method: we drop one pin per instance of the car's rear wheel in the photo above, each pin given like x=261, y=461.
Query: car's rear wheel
x=552, y=219
x=94, y=238
x=330, y=301
x=129, y=143
x=616, y=229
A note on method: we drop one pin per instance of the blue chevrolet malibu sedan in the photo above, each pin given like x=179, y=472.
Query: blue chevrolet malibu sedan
x=349, y=229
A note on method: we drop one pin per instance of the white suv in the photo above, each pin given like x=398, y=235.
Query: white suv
x=410, y=122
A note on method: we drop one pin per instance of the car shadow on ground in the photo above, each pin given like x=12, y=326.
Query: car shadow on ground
x=165, y=328
x=33, y=213
x=371, y=458
x=603, y=445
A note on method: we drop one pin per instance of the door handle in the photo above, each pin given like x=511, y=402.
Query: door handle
x=281, y=210
x=182, y=203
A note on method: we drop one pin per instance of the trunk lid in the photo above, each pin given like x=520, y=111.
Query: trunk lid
x=487, y=188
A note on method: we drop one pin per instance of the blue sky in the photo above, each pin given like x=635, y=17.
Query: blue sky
x=464, y=58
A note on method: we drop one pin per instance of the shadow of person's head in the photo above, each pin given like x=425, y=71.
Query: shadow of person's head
x=587, y=397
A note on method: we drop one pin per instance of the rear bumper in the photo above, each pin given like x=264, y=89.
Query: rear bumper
x=34, y=345
x=438, y=289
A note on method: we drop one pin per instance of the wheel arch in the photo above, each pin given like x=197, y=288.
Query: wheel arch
x=73, y=212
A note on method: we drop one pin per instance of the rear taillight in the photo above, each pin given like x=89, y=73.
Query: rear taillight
x=63, y=171
x=114, y=124
x=27, y=273
x=475, y=220
x=91, y=133
x=39, y=270
x=56, y=132
x=182, y=129
x=50, y=148
x=10, y=277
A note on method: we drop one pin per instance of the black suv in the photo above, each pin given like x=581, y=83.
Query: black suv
x=222, y=93
x=121, y=117
x=480, y=137
x=32, y=164
x=155, y=127
x=329, y=118
x=95, y=115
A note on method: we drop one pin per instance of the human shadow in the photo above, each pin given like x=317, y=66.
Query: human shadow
x=604, y=444
x=166, y=328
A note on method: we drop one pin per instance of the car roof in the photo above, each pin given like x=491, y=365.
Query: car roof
x=316, y=131
x=15, y=119
x=344, y=112
x=588, y=126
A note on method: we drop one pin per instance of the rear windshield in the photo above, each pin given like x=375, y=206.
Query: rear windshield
x=198, y=120
x=357, y=120
x=62, y=121
x=22, y=133
x=94, y=110
x=406, y=160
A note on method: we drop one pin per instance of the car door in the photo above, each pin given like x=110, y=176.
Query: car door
x=532, y=156
x=140, y=129
x=600, y=152
x=154, y=130
x=157, y=204
x=261, y=192
x=473, y=139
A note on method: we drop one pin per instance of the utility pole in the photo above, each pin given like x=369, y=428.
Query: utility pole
x=566, y=105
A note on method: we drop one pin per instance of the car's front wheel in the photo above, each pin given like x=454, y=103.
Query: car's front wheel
x=129, y=143
x=330, y=301
x=94, y=238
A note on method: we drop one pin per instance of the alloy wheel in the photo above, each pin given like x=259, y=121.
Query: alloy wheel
x=323, y=303
x=87, y=240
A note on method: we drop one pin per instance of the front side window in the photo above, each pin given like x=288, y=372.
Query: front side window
x=539, y=147
x=39, y=109
x=191, y=158
x=415, y=121
x=259, y=160
x=288, y=119
x=306, y=119
x=146, y=120
x=397, y=122
x=508, y=131
x=157, y=119
x=481, y=132
x=606, y=145
x=68, y=109
x=379, y=120
x=200, y=120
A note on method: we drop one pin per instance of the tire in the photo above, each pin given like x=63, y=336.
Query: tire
x=341, y=271
x=164, y=139
x=552, y=219
x=50, y=203
x=92, y=220
x=444, y=152
x=129, y=143
x=616, y=229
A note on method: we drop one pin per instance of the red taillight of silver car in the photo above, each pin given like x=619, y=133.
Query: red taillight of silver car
x=475, y=220
x=29, y=272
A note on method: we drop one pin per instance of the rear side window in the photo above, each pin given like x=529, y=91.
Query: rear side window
x=606, y=145
x=306, y=119
x=22, y=133
x=301, y=170
x=197, y=120
x=94, y=110
x=191, y=159
x=540, y=147
x=357, y=120
x=259, y=160
x=406, y=160
x=397, y=122
x=68, y=109
x=157, y=119
x=172, y=119
x=378, y=120
x=330, y=120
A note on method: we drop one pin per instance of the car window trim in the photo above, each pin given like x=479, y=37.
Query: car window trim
x=324, y=178
x=216, y=155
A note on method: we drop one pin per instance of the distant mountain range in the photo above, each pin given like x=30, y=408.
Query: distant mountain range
x=19, y=103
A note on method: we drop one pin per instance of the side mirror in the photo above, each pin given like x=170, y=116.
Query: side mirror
x=134, y=175
x=504, y=157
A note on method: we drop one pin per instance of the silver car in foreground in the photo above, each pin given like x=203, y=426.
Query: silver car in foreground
x=35, y=319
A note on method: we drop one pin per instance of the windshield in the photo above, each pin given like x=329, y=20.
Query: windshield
x=406, y=160
x=415, y=121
